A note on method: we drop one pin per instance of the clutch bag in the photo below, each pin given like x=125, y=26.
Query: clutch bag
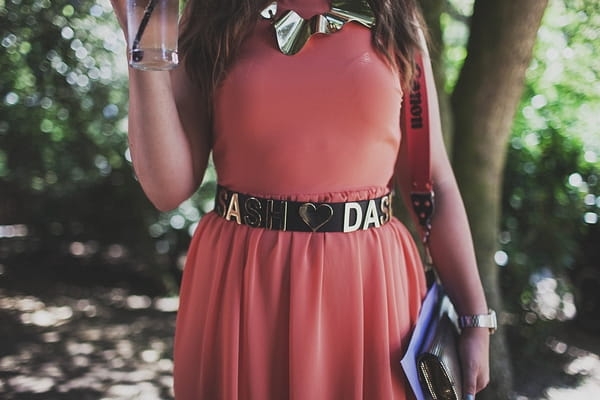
x=438, y=363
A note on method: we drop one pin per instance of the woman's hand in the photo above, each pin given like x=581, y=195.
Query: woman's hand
x=474, y=347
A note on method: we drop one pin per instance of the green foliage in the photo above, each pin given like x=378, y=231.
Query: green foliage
x=454, y=22
x=551, y=194
x=65, y=170
x=63, y=167
x=543, y=214
x=549, y=232
x=61, y=121
x=551, y=181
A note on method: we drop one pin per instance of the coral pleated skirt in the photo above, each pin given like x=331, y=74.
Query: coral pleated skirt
x=294, y=315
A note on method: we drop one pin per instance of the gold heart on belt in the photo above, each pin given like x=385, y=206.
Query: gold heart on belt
x=293, y=31
x=315, y=216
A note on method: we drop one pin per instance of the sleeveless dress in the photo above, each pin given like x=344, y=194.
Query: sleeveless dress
x=269, y=314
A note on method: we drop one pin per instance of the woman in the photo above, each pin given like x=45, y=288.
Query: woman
x=271, y=306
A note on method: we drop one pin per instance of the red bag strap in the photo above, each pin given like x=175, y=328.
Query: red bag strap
x=417, y=134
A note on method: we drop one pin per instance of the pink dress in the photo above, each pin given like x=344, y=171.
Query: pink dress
x=294, y=315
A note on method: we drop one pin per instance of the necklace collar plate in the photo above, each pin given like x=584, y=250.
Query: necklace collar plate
x=292, y=31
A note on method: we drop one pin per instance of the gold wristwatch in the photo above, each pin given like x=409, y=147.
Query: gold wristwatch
x=479, y=321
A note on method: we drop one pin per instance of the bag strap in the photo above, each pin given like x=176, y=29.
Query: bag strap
x=417, y=135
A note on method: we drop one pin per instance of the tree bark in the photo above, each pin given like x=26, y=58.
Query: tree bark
x=484, y=103
x=432, y=10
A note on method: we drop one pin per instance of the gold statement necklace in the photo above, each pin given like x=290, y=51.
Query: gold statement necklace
x=293, y=31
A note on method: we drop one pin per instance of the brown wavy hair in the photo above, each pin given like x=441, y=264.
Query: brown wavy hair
x=213, y=30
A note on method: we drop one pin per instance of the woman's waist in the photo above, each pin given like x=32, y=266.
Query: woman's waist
x=220, y=229
x=318, y=193
x=306, y=174
x=342, y=211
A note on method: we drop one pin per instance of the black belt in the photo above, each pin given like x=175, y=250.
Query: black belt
x=287, y=215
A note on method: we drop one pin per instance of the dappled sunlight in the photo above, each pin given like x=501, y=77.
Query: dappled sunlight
x=13, y=231
x=548, y=303
x=138, y=302
x=166, y=304
x=22, y=383
x=501, y=258
x=582, y=363
x=116, y=345
x=585, y=364
x=112, y=252
x=51, y=316
x=590, y=218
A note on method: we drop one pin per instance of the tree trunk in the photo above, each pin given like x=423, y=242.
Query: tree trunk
x=484, y=102
x=432, y=10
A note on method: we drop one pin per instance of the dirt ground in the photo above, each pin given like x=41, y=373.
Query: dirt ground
x=86, y=341
x=83, y=340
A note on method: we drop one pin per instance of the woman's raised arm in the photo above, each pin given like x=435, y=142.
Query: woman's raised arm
x=168, y=131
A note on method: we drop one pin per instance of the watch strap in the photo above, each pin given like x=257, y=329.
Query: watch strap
x=479, y=321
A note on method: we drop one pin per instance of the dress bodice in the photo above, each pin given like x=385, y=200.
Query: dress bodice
x=325, y=119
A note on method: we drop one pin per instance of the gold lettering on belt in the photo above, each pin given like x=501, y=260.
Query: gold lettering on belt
x=234, y=209
x=252, y=208
x=279, y=215
x=371, y=216
x=222, y=202
x=349, y=209
x=386, y=209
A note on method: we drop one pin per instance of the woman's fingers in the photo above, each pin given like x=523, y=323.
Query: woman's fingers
x=483, y=378
x=470, y=372
x=474, y=355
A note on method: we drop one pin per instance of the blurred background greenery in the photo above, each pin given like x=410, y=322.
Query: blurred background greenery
x=71, y=211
